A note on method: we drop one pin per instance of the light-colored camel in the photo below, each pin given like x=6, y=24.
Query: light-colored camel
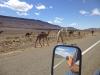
x=61, y=35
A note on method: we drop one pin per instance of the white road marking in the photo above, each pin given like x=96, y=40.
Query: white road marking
x=88, y=49
x=59, y=63
x=84, y=52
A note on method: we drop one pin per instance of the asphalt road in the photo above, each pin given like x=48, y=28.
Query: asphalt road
x=37, y=61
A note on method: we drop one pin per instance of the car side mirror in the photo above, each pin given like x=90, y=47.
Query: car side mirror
x=66, y=59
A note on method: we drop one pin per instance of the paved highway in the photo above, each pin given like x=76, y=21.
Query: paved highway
x=37, y=61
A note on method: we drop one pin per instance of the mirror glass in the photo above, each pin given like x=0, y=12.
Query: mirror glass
x=66, y=61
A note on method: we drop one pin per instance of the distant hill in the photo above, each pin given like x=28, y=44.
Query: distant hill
x=95, y=29
x=15, y=22
x=22, y=23
x=89, y=29
x=71, y=28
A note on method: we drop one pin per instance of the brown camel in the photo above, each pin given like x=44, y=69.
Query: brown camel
x=28, y=36
x=71, y=33
x=92, y=32
x=42, y=37
x=1, y=32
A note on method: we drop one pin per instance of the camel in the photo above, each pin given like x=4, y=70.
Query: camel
x=63, y=33
x=60, y=35
x=42, y=37
x=1, y=32
x=71, y=32
x=92, y=32
x=27, y=35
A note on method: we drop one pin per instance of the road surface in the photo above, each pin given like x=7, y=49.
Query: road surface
x=37, y=61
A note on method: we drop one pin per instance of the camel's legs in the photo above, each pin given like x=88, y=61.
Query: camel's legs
x=40, y=42
x=38, y=39
x=47, y=41
x=60, y=38
x=43, y=42
x=36, y=42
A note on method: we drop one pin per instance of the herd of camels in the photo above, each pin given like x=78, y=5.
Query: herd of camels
x=42, y=37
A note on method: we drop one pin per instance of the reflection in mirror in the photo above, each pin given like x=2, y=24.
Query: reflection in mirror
x=70, y=56
x=65, y=51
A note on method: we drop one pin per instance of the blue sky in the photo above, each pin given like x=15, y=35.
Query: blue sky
x=74, y=13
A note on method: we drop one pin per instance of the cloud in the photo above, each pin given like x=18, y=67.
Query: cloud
x=73, y=24
x=50, y=22
x=37, y=13
x=50, y=7
x=40, y=6
x=16, y=5
x=58, y=20
x=22, y=13
x=95, y=12
x=83, y=12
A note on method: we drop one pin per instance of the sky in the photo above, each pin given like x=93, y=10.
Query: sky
x=66, y=13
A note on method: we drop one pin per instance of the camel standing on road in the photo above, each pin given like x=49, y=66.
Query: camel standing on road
x=61, y=35
x=43, y=36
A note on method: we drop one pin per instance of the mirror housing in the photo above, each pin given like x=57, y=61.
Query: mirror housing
x=65, y=51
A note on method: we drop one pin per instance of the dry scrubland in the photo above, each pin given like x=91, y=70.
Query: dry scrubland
x=14, y=39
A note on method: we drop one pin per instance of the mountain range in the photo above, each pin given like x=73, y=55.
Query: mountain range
x=22, y=23
x=15, y=22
